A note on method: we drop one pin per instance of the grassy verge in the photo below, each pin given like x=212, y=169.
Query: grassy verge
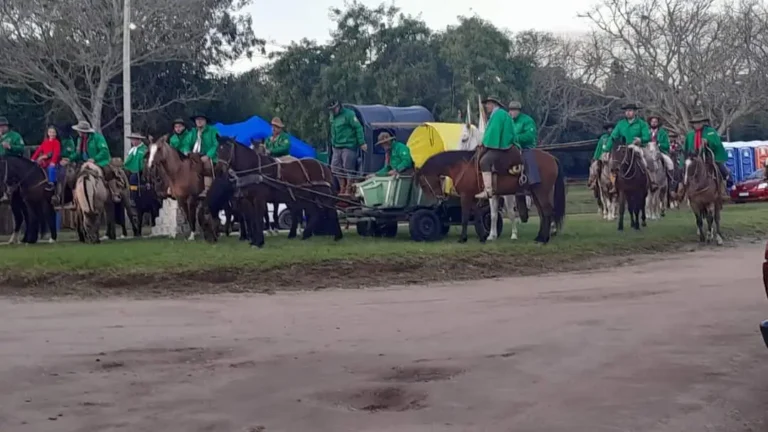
x=164, y=266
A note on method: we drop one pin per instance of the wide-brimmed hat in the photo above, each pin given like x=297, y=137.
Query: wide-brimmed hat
x=630, y=106
x=384, y=137
x=197, y=116
x=654, y=116
x=4, y=121
x=83, y=126
x=333, y=103
x=277, y=122
x=699, y=117
x=136, y=135
x=515, y=105
x=179, y=121
x=494, y=99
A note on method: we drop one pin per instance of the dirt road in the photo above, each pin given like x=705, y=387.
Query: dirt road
x=671, y=346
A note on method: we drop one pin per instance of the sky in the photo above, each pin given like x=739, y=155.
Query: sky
x=283, y=21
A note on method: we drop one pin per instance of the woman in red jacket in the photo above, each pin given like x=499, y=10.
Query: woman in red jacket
x=49, y=153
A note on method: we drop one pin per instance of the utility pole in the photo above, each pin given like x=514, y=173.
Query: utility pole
x=126, y=76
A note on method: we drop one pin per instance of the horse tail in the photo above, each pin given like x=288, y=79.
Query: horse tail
x=559, y=204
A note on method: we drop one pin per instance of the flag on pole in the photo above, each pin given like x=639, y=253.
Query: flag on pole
x=481, y=117
x=468, y=117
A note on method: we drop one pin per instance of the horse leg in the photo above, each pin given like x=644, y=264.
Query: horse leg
x=313, y=218
x=32, y=229
x=191, y=203
x=19, y=211
x=699, y=225
x=467, y=202
x=718, y=235
x=510, y=206
x=50, y=213
x=545, y=210
x=622, y=208
x=334, y=219
x=296, y=216
x=710, y=219
x=257, y=225
x=493, y=202
x=275, y=217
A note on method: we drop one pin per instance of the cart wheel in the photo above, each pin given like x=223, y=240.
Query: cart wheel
x=389, y=229
x=425, y=225
x=483, y=223
x=364, y=229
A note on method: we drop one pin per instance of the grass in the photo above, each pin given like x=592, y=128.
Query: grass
x=585, y=236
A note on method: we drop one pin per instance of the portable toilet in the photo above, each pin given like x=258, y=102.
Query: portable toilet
x=732, y=164
x=746, y=160
x=761, y=155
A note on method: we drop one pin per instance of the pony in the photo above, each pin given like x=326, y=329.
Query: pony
x=304, y=185
x=658, y=166
x=702, y=187
x=675, y=195
x=30, y=197
x=631, y=183
x=602, y=184
x=90, y=199
x=462, y=168
x=185, y=176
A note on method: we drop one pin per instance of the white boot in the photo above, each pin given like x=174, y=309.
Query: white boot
x=487, y=186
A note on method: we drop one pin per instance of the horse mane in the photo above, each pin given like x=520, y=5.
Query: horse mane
x=446, y=159
x=26, y=164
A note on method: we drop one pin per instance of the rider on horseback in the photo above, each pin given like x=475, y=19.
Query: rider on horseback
x=134, y=163
x=635, y=132
x=180, y=138
x=11, y=143
x=91, y=146
x=702, y=136
x=525, y=139
x=279, y=144
x=205, y=144
x=498, y=138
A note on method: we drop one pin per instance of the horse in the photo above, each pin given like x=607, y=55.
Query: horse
x=675, y=196
x=658, y=166
x=631, y=183
x=30, y=198
x=144, y=197
x=603, y=187
x=90, y=197
x=185, y=176
x=304, y=185
x=702, y=185
x=462, y=168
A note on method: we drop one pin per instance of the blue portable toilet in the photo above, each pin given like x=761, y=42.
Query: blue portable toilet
x=746, y=161
x=732, y=163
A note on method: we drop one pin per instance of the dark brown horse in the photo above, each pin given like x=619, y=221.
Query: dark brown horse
x=462, y=168
x=30, y=193
x=702, y=185
x=631, y=183
x=304, y=185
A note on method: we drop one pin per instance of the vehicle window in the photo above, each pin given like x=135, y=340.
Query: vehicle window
x=757, y=175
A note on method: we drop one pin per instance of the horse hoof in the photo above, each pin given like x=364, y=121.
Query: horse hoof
x=462, y=240
x=338, y=237
x=513, y=236
x=292, y=236
x=719, y=240
x=51, y=241
x=491, y=238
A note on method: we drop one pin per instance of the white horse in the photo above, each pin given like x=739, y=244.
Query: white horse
x=605, y=188
x=659, y=165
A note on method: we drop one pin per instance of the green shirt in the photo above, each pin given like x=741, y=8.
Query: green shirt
x=346, y=130
x=96, y=147
x=68, y=149
x=713, y=141
x=638, y=128
x=183, y=142
x=279, y=145
x=399, y=159
x=135, y=161
x=604, y=145
x=13, y=139
x=662, y=139
x=209, y=143
x=500, y=131
x=525, y=131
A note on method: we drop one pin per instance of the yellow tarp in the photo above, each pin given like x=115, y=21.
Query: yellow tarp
x=430, y=139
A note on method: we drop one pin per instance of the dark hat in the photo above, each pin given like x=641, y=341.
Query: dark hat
x=4, y=121
x=699, y=117
x=179, y=121
x=654, y=116
x=493, y=99
x=197, y=116
x=333, y=103
x=515, y=105
x=630, y=106
x=608, y=125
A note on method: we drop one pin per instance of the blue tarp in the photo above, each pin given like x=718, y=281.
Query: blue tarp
x=256, y=128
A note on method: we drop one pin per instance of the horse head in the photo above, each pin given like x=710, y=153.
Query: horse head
x=158, y=150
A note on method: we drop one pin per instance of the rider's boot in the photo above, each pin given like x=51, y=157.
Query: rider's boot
x=207, y=181
x=487, y=192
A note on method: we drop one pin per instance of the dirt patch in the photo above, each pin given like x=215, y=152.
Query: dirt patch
x=352, y=274
x=133, y=358
x=375, y=399
x=591, y=296
x=416, y=374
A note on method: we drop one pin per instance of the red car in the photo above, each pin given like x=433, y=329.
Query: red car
x=764, y=324
x=752, y=188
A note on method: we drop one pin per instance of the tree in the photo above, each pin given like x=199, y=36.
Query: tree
x=71, y=50
x=679, y=56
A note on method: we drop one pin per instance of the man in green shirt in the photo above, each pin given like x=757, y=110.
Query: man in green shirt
x=180, y=139
x=205, y=143
x=602, y=150
x=346, y=138
x=91, y=146
x=634, y=131
x=499, y=137
x=660, y=136
x=11, y=143
x=398, y=157
x=134, y=163
x=704, y=136
x=279, y=144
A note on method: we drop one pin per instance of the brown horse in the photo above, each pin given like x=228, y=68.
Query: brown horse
x=630, y=181
x=304, y=185
x=185, y=177
x=30, y=194
x=462, y=168
x=702, y=185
